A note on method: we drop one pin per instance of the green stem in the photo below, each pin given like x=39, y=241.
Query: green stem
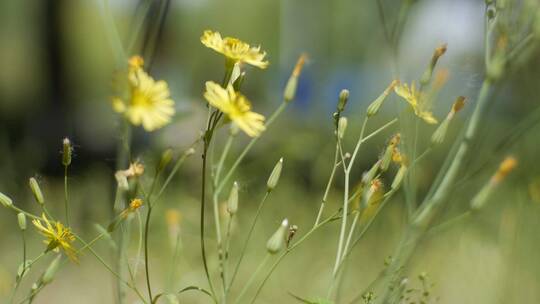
x=289, y=250
x=66, y=199
x=146, y=266
x=239, y=159
x=252, y=278
x=246, y=242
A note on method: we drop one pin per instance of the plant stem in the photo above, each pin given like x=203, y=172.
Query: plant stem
x=252, y=278
x=246, y=242
x=146, y=266
x=66, y=200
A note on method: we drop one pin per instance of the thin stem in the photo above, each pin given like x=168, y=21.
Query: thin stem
x=21, y=275
x=253, y=276
x=224, y=154
x=146, y=266
x=66, y=199
x=289, y=250
x=328, y=185
x=239, y=159
x=248, y=238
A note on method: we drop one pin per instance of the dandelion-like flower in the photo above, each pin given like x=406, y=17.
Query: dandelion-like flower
x=58, y=237
x=417, y=100
x=234, y=49
x=149, y=103
x=236, y=106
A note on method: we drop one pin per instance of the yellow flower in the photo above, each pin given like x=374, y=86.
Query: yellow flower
x=417, y=100
x=149, y=103
x=58, y=236
x=236, y=106
x=234, y=49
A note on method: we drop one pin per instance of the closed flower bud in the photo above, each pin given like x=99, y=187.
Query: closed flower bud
x=277, y=241
x=343, y=98
x=439, y=134
x=342, y=127
x=67, y=149
x=370, y=175
x=21, y=219
x=121, y=180
x=5, y=200
x=166, y=158
x=482, y=197
x=374, y=107
x=274, y=176
x=292, y=83
x=389, y=152
x=36, y=190
x=232, y=202
x=398, y=179
x=439, y=51
x=50, y=272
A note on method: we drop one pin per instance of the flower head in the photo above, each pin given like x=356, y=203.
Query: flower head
x=234, y=49
x=417, y=100
x=58, y=237
x=149, y=102
x=236, y=106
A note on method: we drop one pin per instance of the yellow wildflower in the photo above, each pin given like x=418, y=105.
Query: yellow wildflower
x=234, y=49
x=236, y=106
x=58, y=236
x=149, y=103
x=417, y=100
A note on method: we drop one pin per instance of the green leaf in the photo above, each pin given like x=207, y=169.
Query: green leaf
x=311, y=301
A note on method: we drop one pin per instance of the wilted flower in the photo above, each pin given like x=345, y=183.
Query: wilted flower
x=236, y=106
x=234, y=49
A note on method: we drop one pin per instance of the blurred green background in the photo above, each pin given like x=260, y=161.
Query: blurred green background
x=55, y=81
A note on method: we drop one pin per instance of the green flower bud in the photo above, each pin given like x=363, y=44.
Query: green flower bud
x=342, y=127
x=67, y=149
x=232, y=202
x=50, y=272
x=36, y=190
x=370, y=175
x=21, y=218
x=274, y=176
x=439, y=134
x=374, y=107
x=343, y=98
x=277, y=241
x=166, y=158
x=5, y=200
x=292, y=83
x=398, y=179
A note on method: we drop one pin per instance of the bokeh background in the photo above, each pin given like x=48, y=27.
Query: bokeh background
x=57, y=64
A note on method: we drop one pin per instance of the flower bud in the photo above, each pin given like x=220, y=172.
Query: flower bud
x=374, y=107
x=343, y=98
x=5, y=200
x=274, y=176
x=166, y=158
x=36, y=190
x=277, y=241
x=398, y=179
x=50, y=272
x=389, y=152
x=482, y=197
x=342, y=127
x=440, y=133
x=21, y=219
x=67, y=149
x=370, y=175
x=232, y=202
x=292, y=83
x=121, y=180
x=439, y=51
